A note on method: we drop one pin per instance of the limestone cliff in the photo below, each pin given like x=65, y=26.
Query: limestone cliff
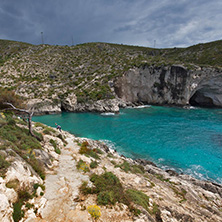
x=171, y=85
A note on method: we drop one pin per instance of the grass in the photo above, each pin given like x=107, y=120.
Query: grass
x=18, y=213
x=49, y=131
x=180, y=193
x=3, y=165
x=139, y=198
x=22, y=143
x=57, y=150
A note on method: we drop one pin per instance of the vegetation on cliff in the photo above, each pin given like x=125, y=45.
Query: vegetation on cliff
x=87, y=70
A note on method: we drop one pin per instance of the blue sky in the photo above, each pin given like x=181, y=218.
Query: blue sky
x=170, y=23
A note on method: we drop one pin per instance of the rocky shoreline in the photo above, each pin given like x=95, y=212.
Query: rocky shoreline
x=172, y=197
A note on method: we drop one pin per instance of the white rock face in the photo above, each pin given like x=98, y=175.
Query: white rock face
x=20, y=171
x=45, y=106
x=69, y=102
x=5, y=209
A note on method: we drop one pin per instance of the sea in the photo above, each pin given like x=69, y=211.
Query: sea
x=187, y=140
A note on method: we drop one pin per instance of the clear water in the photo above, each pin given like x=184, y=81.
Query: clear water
x=188, y=141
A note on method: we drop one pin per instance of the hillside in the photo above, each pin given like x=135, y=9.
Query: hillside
x=66, y=178
x=89, y=71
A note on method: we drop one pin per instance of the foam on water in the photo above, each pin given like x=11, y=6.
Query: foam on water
x=107, y=114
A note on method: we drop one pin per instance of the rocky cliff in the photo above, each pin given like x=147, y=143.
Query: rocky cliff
x=171, y=85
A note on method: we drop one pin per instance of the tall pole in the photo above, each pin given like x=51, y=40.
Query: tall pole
x=154, y=43
x=42, y=38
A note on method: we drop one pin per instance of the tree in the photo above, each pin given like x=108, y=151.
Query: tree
x=10, y=101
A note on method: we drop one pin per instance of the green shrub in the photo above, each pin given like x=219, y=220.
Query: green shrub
x=81, y=165
x=93, y=164
x=17, y=214
x=126, y=167
x=139, y=198
x=108, y=188
x=84, y=149
x=13, y=184
x=49, y=131
x=3, y=165
x=63, y=140
x=37, y=124
x=57, y=150
x=84, y=189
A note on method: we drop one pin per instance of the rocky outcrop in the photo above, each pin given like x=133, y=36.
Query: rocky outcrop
x=46, y=106
x=69, y=104
x=208, y=93
x=154, y=85
x=172, y=85
x=111, y=105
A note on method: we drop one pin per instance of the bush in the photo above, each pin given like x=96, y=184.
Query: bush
x=108, y=188
x=84, y=189
x=49, y=131
x=109, y=191
x=93, y=164
x=63, y=140
x=37, y=124
x=126, y=167
x=17, y=214
x=139, y=198
x=94, y=211
x=3, y=165
x=57, y=150
x=84, y=149
x=81, y=165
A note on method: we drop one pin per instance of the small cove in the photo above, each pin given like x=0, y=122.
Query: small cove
x=186, y=140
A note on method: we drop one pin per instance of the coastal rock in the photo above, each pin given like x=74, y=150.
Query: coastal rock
x=46, y=106
x=171, y=85
x=111, y=105
x=208, y=93
x=154, y=85
x=69, y=103
x=144, y=162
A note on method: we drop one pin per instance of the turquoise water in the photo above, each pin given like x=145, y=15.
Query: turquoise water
x=188, y=141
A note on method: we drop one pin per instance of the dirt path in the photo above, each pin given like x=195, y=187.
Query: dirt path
x=62, y=188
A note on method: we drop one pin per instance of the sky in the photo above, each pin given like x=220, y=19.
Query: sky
x=149, y=23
